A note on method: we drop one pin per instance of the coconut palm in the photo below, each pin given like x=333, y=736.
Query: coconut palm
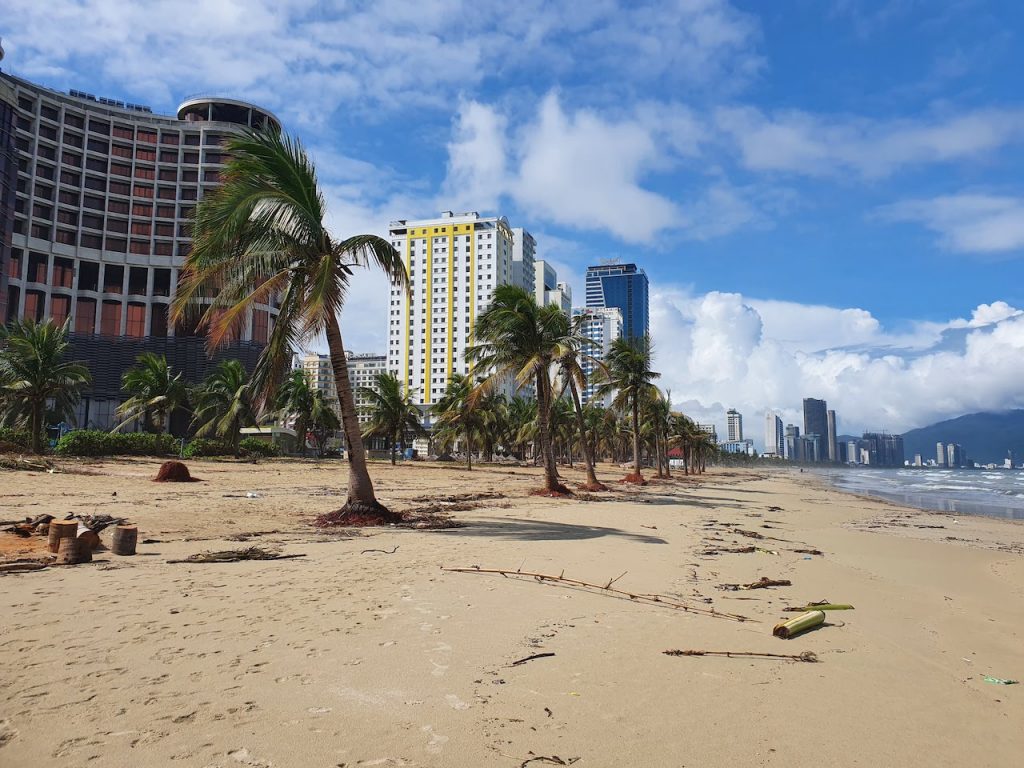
x=522, y=423
x=262, y=235
x=155, y=392
x=293, y=401
x=627, y=372
x=393, y=414
x=515, y=338
x=323, y=422
x=570, y=365
x=33, y=372
x=458, y=414
x=224, y=404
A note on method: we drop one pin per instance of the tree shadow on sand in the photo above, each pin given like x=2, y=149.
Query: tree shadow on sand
x=541, y=530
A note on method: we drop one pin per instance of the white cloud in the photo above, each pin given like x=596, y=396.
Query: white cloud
x=801, y=142
x=721, y=350
x=967, y=222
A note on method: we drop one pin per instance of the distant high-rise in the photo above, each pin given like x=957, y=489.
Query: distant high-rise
x=883, y=449
x=794, y=450
x=833, y=451
x=815, y=417
x=774, y=435
x=734, y=425
x=601, y=327
x=623, y=286
x=548, y=289
x=940, y=454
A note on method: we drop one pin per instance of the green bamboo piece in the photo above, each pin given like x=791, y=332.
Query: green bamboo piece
x=802, y=623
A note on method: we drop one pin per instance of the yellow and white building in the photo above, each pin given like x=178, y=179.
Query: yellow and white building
x=454, y=263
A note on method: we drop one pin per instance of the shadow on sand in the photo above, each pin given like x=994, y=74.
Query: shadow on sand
x=541, y=530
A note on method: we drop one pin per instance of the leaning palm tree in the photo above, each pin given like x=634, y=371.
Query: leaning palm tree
x=154, y=393
x=392, y=412
x=627, y=372
x=570, y=365
x=262, y=235
x=293, y=402
x=224, y=404
x=33, y=372
x=458, y=414
x=515, y=338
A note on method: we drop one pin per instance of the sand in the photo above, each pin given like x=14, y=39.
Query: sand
x=352, y=658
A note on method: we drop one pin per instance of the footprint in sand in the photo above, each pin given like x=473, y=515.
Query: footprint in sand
x=437, y=741
x=455, y=702
x=244, y=757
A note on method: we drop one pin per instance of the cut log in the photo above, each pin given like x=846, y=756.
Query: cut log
x=125, y=537
x=61, y=529
x=73, y=551
x=91, y=539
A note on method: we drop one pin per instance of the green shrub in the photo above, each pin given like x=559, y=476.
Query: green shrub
x=253, y=446
x=202, y=446
x=17, y=437
x=95, y=442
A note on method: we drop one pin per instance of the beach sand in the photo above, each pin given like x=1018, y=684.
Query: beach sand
x=348, y=657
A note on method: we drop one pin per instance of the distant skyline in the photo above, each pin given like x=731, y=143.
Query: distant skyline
x=826, y=196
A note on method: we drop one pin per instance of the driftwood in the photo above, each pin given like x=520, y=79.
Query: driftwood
x=607, y=589
x=384, y=551
x=727, y=551
x=235, y=555
x=761, y=583
x=808, y=656
x=531, y=658
x=22, y=567
x=553, y=760
x=808, y=551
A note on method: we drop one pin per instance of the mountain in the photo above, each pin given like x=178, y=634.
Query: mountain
x=986, y=437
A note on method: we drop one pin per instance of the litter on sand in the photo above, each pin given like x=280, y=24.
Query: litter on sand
x=808, y=656
x=235, y=555
x=802, y=623
x=824, y=605
x=999, y=681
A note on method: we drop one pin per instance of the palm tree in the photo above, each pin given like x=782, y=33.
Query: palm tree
x=517, y=339
x=294, y=401
x=457, y=412
x=627, y=372
x=323, y=422
x=33, y=372
x=262, y=234
x=392, y=412
x=522, y=423
x=224, y=404
x=570, y=366
x=155, y=393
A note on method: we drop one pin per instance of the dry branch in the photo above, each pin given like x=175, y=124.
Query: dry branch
x=606, y=589
x=235, y=555
x=808, y=656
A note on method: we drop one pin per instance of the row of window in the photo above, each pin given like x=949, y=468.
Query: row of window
x=114, y=187
x=113, y=275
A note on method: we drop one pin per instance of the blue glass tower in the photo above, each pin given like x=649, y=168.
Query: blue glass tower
x=623, y=286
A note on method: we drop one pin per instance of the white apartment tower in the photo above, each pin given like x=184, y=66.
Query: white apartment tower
x=548, y=289
x=602, y=326
x=454, y=263
x=774, y=435
x=362, y=372
x=734, y=425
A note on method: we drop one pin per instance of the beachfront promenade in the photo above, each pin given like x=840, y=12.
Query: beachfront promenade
x=365, y=652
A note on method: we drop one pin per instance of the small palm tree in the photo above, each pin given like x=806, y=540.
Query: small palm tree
x=393, y=414
x=224, y=404
x=457, y=413
x=627, y=372
x=522, y=423
x=262, y=234
x=515, y=338
x=33, y=372
x=293, y=402
x=570, y=365
x=155, y=393
x=323, y=422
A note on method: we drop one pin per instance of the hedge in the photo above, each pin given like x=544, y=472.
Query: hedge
x=202, y=446
x=20, y=438
x=94, y=442
x=253, y=446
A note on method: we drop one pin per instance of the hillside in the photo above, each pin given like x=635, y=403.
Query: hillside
x=985, y=436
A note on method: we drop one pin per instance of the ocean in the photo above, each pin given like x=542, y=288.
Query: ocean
x=992, y=493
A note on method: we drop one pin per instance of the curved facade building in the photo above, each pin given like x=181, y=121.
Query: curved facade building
x=104, y=192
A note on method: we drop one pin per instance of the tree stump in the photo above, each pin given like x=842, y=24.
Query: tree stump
x=125, y=537
x=73, y=551
x=61, y=529
x=91, y=538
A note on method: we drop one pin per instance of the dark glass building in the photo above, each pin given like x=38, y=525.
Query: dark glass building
x=816, y=420
x=623, y=286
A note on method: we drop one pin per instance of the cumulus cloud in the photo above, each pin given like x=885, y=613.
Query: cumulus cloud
x=967, y=222
x=721, y=350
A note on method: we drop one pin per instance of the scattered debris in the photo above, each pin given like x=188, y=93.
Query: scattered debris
x=725, y=551
x=802, y=623
x=999, y=681
x=20, y=567
x=531, y=658
x=553, y=760
x=457, y=497
x=647, y=599
x=808, y=551
x=763, y=583
x=385, y=551
x=235, y=555
x=775, y=509
x=823, y=605
x=174, y=472
x=808, y=656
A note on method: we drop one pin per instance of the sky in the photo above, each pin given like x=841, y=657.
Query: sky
x=827, y=195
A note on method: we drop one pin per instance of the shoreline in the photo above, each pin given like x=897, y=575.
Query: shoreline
x=366, y=652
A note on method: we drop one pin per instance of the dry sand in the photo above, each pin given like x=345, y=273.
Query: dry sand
x=352, y=658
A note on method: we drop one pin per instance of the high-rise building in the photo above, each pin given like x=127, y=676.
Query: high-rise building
x=105, y=191
x=709, y=429
x=362, y=372
x=815, y=419
x=623, y=286
x=548, y=289
x=954, y=455
x=940, y=454
x=524, y=252
x=774, y=435
x=794, y=449
x=833, y=451
x=454, y=264
x=882, y=449
x=734, y=425
x=852, y=452
x=601, y=326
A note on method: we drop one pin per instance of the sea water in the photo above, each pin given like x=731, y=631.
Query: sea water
x=993, y=493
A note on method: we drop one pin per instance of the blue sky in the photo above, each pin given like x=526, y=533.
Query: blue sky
x=826, y=196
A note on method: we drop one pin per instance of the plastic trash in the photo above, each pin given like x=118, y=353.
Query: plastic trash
x=802, y=623
x=252, y=495
x=999, y=680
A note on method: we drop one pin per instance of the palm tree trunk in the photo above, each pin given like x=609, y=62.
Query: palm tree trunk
x=469, y=450
x=544, y=433
x=360, y=489
x=391, y=450
x=636, y=437
x=588, y=451
x=37, y=428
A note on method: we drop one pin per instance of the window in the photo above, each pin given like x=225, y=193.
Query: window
x=144, y=173
x=140, y=247
x=85, y=316
x=67, y=217
x=98, y=185
x=166, y=193
x=60, y=308
x=92, y=221
x=141, y=228
x=72, y=119
x=70, y=178
x=95, y=164
x=168, y=174
x=36, y=268
x=189, y=175
x=120, y=170
x=14, y=265
x=161, y=282
x=92, y=241
x=41, y=211
x=123, y=132
x=110, y=318
x=113, y=278
x=135, y=325
x=138, y=279
x=118, y=244
x=149, y=137
x=118, y=206
x=97, y=126
x=44, y=191
x=169, y=138
x=192, y=139
x=165, y=230
x=165, y=211
x=73, y=139
x=143, y=190
x=95, y=145
x=163, y=249
x=192, y=158
x=260, y=326
x=63, y=272
x=142, y=209
x=119, y=150
x=158, y=320
x=120, y=188
x=34, y=305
